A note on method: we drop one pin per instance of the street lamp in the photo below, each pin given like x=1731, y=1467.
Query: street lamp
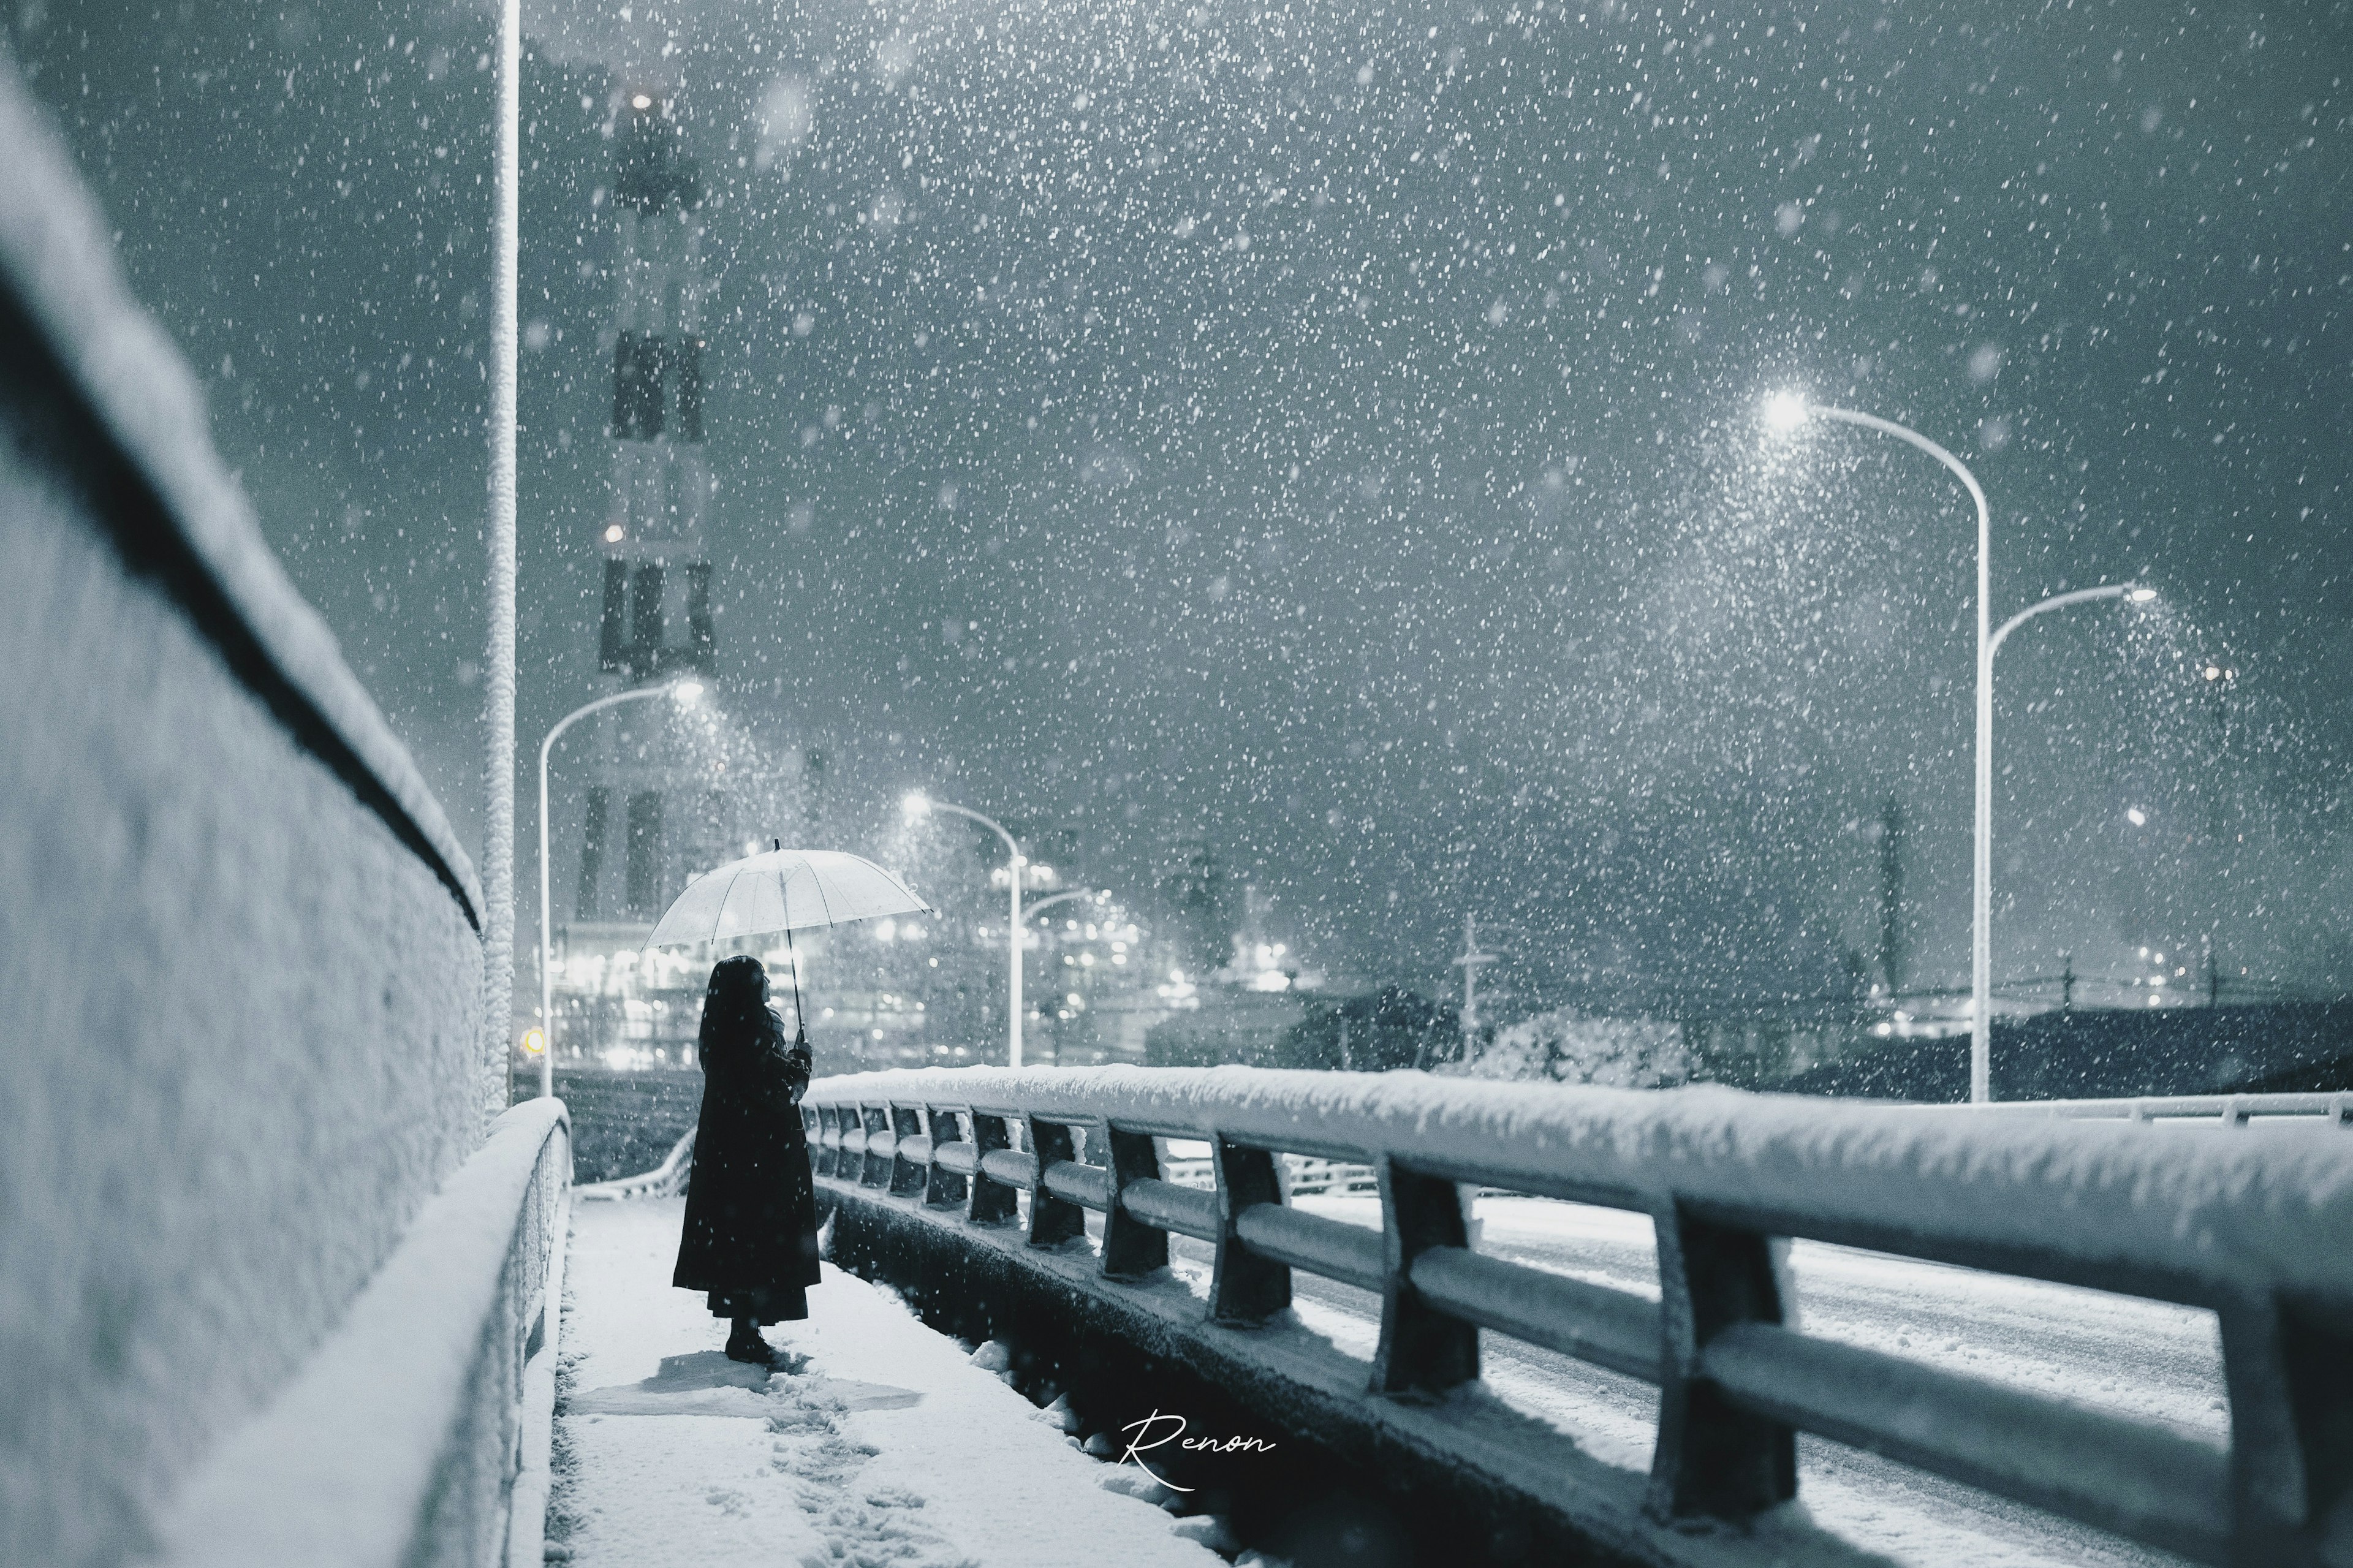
x=685, y=692
x=2131, y=594
x=917, y=805
x=1784, y=412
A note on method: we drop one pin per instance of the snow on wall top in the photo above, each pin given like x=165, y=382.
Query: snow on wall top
x=56, y=262
x=2230, y=1213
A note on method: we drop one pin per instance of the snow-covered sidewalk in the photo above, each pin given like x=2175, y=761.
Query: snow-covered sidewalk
x=889, y=1446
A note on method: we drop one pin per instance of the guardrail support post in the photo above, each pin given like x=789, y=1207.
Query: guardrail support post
x=2291, y=1436
x=876, y=1172
x=993, y=1203
x=1131, y=1248
x=944, y=1189
x=1246, y=1287
x=1423, y=1351
x=1713, y=1458
x=817, y=1118
x=1052, y=1220
x=906, y=1176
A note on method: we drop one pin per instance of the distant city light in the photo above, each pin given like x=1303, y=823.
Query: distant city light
x=1785, y=411
x=535, y=1042
x=2136, y=816
x=2214, y=672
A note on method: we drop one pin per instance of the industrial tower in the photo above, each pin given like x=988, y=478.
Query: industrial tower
x=657, y=564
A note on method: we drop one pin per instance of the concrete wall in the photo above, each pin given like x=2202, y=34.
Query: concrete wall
x=239, y=961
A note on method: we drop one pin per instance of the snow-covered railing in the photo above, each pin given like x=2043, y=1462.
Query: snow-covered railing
x=1302, y=1173
x=2255, y=1229
x=666, y=1180
x=2224, y=1109
x=418, y=1433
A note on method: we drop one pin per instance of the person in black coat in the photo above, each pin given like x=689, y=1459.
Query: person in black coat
x=750, y=1239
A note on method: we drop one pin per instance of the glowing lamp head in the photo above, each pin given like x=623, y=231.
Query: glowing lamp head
x=2140, y=595
x=614, y=534
x=1785, y=411
x=2136, y=816
x=686, y=693
x=535, y=1042
x=640, y=100
x=916, y=805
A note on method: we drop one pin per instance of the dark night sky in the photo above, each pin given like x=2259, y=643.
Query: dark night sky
x=1330, y=430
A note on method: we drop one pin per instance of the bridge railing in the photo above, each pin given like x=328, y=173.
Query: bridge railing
x=2253, y=1229
x=666, y=1180
x=417, y=1436
x=2226, y=1109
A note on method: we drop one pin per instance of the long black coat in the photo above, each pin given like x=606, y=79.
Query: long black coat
x=750, y=1204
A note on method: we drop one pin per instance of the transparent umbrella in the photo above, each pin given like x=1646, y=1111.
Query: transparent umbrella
x=782, y=891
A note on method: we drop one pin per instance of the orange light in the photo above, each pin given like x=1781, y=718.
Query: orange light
x=535, y=1042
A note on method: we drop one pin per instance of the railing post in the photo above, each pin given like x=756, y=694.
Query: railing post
x=1423, y=1351
x=876, y=1172
x=2290, y=1439
x=1052, y=1220
x=1131, y=1248
x=993, y=1203
x=1246, y=1287
x=1713, y=1458
x=906, y=1176
x=945, y=1188
x=819, y=1119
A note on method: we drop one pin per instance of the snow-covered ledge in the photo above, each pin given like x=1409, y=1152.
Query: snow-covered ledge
x=409, y=1436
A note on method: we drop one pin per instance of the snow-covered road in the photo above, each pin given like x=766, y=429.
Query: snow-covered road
x=889, y=1445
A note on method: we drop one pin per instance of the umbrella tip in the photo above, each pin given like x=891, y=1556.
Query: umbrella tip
x=777, y=844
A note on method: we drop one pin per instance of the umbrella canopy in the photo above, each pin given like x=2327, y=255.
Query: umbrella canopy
x=782, y=891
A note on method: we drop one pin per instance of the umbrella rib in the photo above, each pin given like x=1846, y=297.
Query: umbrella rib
x=823, y=902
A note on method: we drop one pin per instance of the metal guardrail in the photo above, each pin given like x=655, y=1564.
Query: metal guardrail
x=1302, y=1174
x=666, y=1180
x=2227, y=1109
x=2253, y=1229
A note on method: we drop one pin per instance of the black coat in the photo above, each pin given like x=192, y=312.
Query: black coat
x=751, y=1202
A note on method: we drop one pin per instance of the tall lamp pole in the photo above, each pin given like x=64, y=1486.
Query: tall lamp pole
x=919, y=805
x=1785, y=412
x=685, y=693
x=499, y=653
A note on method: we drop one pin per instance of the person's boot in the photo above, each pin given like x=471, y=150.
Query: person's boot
x=744, y=1343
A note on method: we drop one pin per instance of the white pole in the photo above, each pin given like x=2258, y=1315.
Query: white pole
x=1981, y=861
x=547, y=976
x=1014, y=862
x=1013, y=949
x=498, y=675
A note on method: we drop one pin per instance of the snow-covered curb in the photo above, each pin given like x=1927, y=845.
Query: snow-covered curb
x=375, y=1455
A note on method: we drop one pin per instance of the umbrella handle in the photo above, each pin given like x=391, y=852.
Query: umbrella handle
x=800, y=1025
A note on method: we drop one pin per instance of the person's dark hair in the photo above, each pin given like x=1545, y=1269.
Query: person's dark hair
x=737, y=1005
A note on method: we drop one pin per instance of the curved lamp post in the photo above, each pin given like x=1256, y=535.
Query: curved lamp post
x=2131, y=593
x=1784, y=413
x=919, y=805
x=685, y=692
